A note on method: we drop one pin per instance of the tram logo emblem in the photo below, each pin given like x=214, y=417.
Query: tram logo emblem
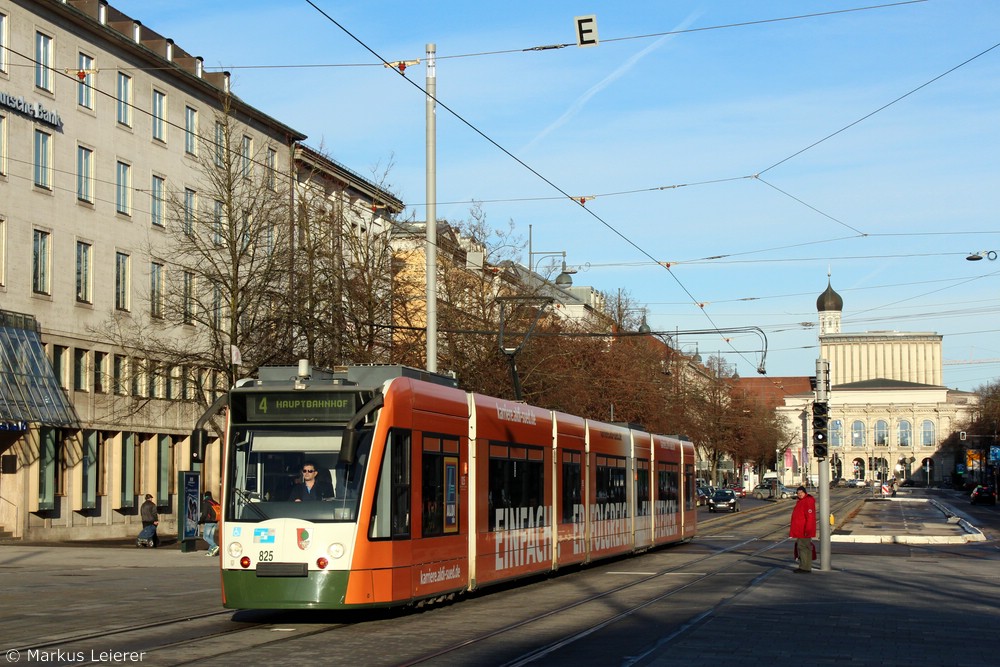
x=302, y=537
x=263, y=536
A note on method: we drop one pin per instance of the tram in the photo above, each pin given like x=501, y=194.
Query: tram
x=423, y=491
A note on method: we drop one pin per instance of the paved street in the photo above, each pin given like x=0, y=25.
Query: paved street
x=915, y=603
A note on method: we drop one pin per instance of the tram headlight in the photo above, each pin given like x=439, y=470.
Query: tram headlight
x=336, y=550
x=235, y=549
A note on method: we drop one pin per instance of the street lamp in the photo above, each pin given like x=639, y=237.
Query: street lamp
x=564, y=279
x=976, y=256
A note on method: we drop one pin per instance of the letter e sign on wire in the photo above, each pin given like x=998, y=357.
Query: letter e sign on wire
x=586, y=30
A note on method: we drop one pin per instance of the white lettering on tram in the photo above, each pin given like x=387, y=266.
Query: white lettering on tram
x=665, y=521
x=522, y=538
x=611, y=529
x=443, y=573
x=514, y=413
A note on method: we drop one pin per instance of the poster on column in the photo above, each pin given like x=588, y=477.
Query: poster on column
x=190, y=504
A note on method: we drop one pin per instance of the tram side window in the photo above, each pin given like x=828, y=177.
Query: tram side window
x=689, y=487
x=572, y=485
x=610, y=472
x=439, y=490
x=642, y=488
x=516, y=482
x=391, y=510
x=668, y=482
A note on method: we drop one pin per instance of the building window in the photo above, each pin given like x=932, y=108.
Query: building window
x=190, y=131
x=100, y=371
x=188, y=297
x=43, y=61
x=190, y=202
x=159, y=115
x=836, y=432
x=858, y=434
x=905, y=431
x=43, y=162
x=216, y=307
x=122, y=280
x=927, y=438
x=3, y=142
x=156, y=201
x=3, y=42
x=84, y=255
x=217, y=208
x=220, y=144
x=80, y=374
x=40, y=262
x=156, y=289
x=137, y=376
x=123, y=188
x=271, y=160
x=118, y=374
x=85, y=174
x=60, y=354
x=246, y=152
x=85, y=77
x=3, y=251
x=881, y=433
x=124, y=99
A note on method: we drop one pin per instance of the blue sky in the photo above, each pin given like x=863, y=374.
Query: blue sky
x=752, y=154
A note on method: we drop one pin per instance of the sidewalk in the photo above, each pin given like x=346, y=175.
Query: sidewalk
x=906, y=600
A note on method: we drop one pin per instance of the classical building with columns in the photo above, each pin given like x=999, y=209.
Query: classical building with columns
x=889, y=412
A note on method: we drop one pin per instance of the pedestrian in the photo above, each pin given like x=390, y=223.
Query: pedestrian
x=211, y=512
x=150, y=520
x=803, y=529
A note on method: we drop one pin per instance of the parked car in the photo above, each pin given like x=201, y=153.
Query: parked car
x=724, y=500
x=980, y=495
x=701, y=496
x=855, y=483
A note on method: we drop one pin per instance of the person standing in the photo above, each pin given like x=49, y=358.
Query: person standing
x=211, y=512
x=150, y=520
x=803, y=529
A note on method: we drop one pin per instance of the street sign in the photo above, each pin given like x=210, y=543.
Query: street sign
x=586, y=30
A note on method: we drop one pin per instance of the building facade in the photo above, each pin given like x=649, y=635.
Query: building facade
x=889, y=413
x=106, y=128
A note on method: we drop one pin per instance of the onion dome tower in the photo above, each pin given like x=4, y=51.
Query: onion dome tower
x=830, y=305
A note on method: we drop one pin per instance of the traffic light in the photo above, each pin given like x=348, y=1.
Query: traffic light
x=199, y=438
x=821, y=421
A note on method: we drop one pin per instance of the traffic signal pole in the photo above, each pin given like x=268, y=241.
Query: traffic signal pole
x=821, y=418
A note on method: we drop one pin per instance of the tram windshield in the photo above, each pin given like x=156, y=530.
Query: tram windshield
x=277, y=473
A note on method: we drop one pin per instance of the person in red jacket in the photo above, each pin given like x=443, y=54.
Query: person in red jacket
x=803, y=529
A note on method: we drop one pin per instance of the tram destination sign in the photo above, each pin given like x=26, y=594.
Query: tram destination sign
x=325, y=406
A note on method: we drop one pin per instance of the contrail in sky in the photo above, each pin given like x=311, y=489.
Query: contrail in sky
x=581, y=101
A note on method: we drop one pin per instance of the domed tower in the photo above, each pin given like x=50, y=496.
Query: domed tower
x=829, y=304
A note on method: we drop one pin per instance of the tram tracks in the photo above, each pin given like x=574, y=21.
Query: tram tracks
x=728, y=559
x=559, y=624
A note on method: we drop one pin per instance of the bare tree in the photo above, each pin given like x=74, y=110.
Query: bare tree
x=220, y=270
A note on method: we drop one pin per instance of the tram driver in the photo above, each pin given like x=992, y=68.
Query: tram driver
x=313, y=486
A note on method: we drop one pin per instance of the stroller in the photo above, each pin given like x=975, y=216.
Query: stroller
x=147, y=537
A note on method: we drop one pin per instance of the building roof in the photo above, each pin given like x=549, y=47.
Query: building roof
x=829, y=300
x=771, y=391
x=885, y=383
